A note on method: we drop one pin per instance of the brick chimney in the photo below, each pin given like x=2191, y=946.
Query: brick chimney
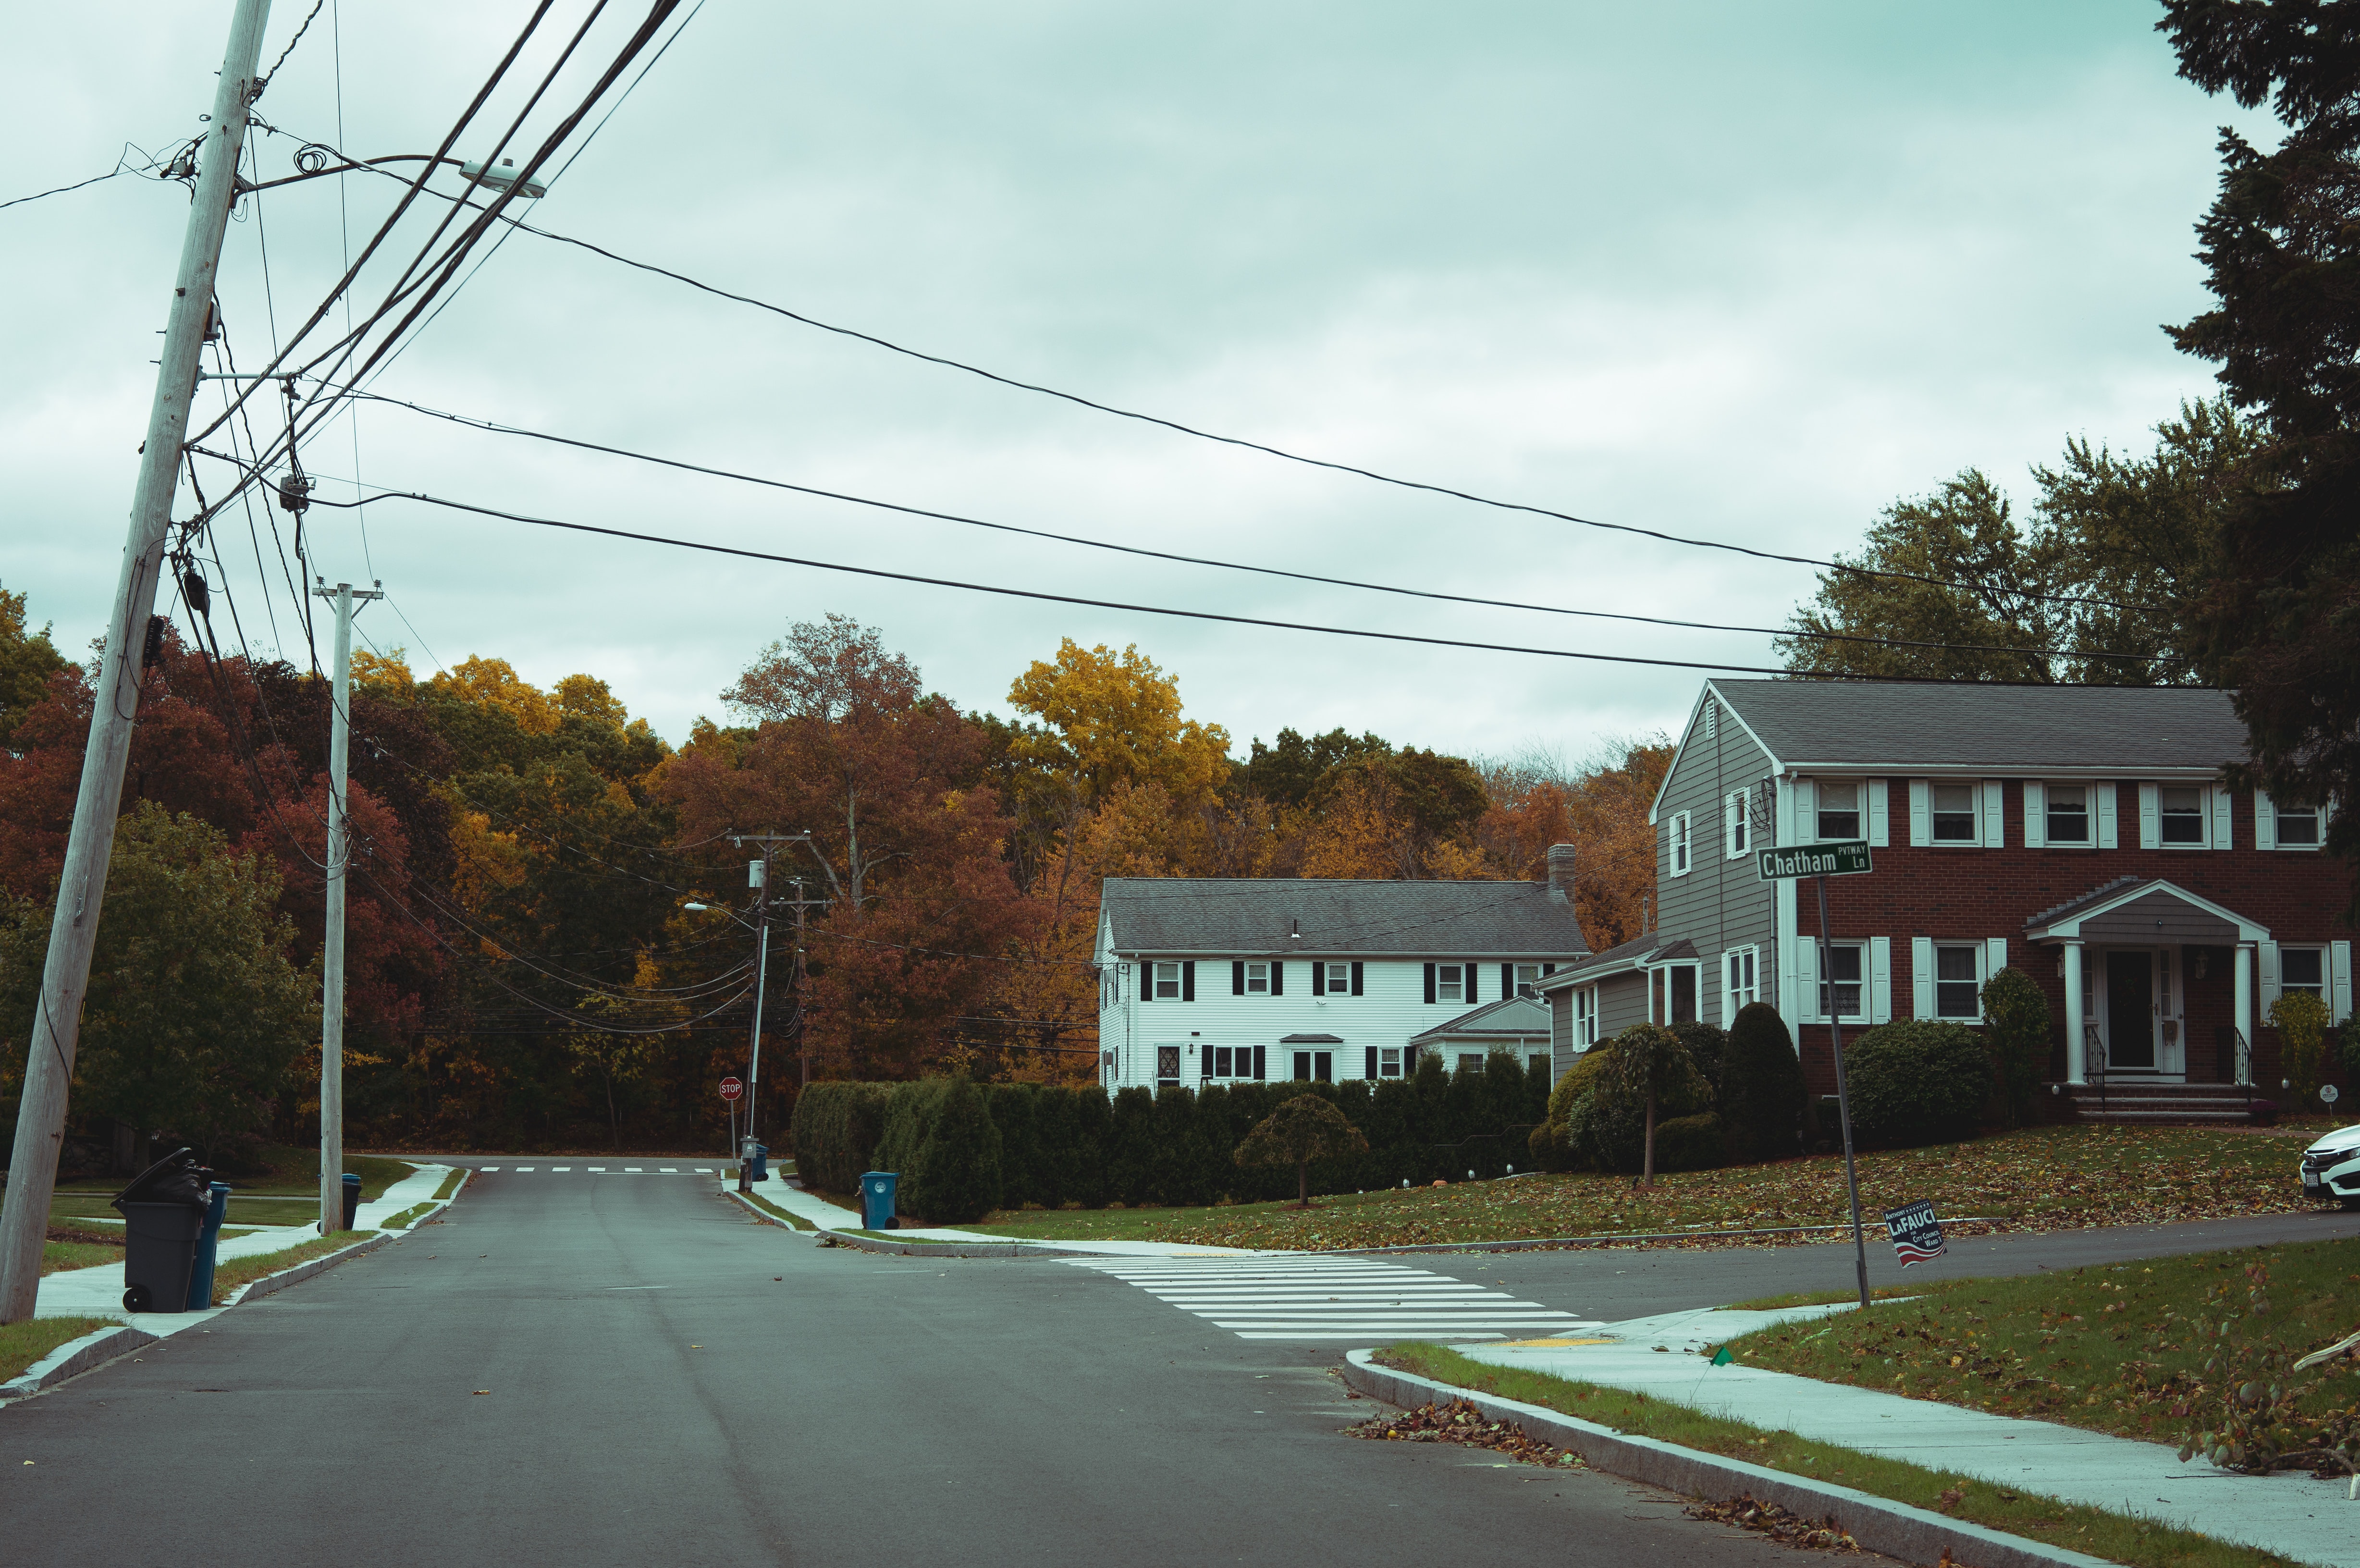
x=1560, y=873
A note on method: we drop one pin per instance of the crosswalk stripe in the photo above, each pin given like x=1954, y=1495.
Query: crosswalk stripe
x=1324, y=1299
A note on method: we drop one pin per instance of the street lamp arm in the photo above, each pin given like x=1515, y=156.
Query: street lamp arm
x=345, y=167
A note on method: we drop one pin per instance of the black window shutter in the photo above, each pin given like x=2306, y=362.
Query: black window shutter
x=1356, y=978
x=1430, y=984
x=1371, y=1072
x=1188, y=980
x=1237, y=977
x=1548, y=968
x=1262, y=1062
x=1146, y=981
x=1507, y=981
x=1468, y=972
x=1277, y=978
x=1318, y=979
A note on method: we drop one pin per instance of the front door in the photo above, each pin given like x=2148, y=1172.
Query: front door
x=1167, y=1065
x=2130, y=1010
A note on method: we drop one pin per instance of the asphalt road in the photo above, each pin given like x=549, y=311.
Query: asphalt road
x=663, y=1380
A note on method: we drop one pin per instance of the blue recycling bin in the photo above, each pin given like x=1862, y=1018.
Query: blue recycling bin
x=352, y=1199
x=201, y=1278
x=877, y=1189
x=761, y=1153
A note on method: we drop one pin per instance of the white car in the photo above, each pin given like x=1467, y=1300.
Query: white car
x=2330, y=1167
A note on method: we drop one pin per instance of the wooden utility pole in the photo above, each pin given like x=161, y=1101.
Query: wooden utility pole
x=332, y=948
x=81, y=884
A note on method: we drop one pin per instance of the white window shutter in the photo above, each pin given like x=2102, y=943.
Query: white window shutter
x=1921, y=814
x=1880, y=830
x=1995, y=958
x=1994, y=814
x=2266, y=956
x=1921, y=977
x=2266, y=821
x=2339, y=974
x=1880, y=979
x=2109, y=836
x=1806, y=811
x=2036, y=814
x=2224, y=835
x=2151, y=817
x=1806, y=970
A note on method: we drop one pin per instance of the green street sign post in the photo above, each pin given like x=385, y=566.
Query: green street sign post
x=1840, y=857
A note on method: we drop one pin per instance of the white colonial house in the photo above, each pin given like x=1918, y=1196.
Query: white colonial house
x=1205, y=980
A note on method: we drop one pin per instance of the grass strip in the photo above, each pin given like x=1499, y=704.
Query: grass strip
x=768, y=1207
x=2035, y=1179
x=56, y=1257
x=450, y=1183
x=2110, y=1348
x=231, y=1273
x=1820, y=1299
x=408, y=1216
x=22, y=1344
x=2124, y=1538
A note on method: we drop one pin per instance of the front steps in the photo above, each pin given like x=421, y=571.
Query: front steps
x=2147, y=1102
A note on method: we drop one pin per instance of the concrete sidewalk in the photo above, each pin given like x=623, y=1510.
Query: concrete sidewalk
x=1665, y=1358
x=792, y=1197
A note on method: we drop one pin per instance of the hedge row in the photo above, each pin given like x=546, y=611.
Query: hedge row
x=1058, y=1148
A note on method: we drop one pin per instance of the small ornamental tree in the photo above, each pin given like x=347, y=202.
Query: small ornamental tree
x=1651, y=1063
x=2016, y=1024
x=1762, y=1090
x=1304, y=1130
x=2300, y=1019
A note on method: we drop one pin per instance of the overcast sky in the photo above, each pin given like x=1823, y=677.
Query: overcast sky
x=1735, y=271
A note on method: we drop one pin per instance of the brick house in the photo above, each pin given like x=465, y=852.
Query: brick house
x=2084, y=834
x=1217, y=979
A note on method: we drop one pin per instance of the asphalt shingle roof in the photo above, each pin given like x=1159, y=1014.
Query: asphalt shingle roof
x=1510, y=1016
x=1877, y=724
x=1257, y=915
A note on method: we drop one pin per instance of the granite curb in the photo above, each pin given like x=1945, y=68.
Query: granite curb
x=943, y=1248
x=1879, y=1524
x=271, y=1284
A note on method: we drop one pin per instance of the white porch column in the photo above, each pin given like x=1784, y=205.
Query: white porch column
x=2076, y=1070
x=2244, y=1007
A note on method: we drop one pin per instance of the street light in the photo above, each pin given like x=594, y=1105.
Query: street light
x=761, y=979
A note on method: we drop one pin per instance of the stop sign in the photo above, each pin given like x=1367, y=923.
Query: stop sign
x=731, y=1088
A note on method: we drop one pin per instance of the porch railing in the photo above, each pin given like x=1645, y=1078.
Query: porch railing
x=2093, y=1061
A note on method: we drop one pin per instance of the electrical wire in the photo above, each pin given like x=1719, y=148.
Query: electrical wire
x=496, y=428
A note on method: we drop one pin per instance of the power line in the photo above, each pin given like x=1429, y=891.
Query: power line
x=1044, y=597
x=496, y=428
x=265, y=80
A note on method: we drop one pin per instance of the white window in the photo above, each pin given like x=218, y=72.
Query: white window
x=2067, y=819
x=2180, y=813
x=1470, y=1061
x=2303, y=969
x=1737, y=823
x=1389, y=1061
x=1843, y=975
x=1954, y=813
x=1958, y=981
x=1527, y=977
x=1740, y=984
x=1167, y=982
x=1449, y=982
x=2297, y=827
x=1238, y=1061
x=1257, y=979
x=1585, y=1018
x=1839, y=807
x=1339, y=979
x=1679, y=846
x=1672, y=993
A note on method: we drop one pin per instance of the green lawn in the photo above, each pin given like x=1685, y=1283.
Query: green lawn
x=2118, y=1537
x=2060, y=1178
x=64, y=1248
x=236, y=1272
x=22, y=1344
x=2110, y=1348
x=768, y=1207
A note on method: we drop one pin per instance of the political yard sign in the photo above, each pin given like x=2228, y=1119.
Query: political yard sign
x=1917, y=1233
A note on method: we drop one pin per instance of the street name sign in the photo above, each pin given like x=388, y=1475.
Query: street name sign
x=1845, y=857
x=731, y=1088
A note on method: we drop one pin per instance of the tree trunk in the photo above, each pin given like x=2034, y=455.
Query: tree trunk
x=1647, y=1174
x=1303, y=1183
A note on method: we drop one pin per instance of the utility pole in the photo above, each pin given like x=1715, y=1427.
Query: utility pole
x=758, y=874
x=332, y=951
x=82, y=883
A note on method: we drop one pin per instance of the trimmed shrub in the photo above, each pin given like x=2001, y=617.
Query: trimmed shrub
x=1762, y=1087
x=1129, y=1145
x=939, y=1135
x=1691, y=1143
x=1708, y=1048
x=2300, y=1019
x=836, y=1129
x=1305, y=1128
x=2016, y=1018
x=1552, y=1146
x=1917, y=1082
x=1023, y=1171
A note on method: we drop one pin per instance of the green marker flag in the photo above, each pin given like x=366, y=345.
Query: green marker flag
x=1722, y=1357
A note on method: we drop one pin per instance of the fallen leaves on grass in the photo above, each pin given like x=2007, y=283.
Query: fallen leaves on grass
x=1788, y=1528
x=1459, y=1422
x=87, y=1237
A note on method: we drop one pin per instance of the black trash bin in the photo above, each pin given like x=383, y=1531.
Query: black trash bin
x=352, y=1199
x=163, y=1215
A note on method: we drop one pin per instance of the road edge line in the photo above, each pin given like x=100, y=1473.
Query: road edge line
x=1879, y=1524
